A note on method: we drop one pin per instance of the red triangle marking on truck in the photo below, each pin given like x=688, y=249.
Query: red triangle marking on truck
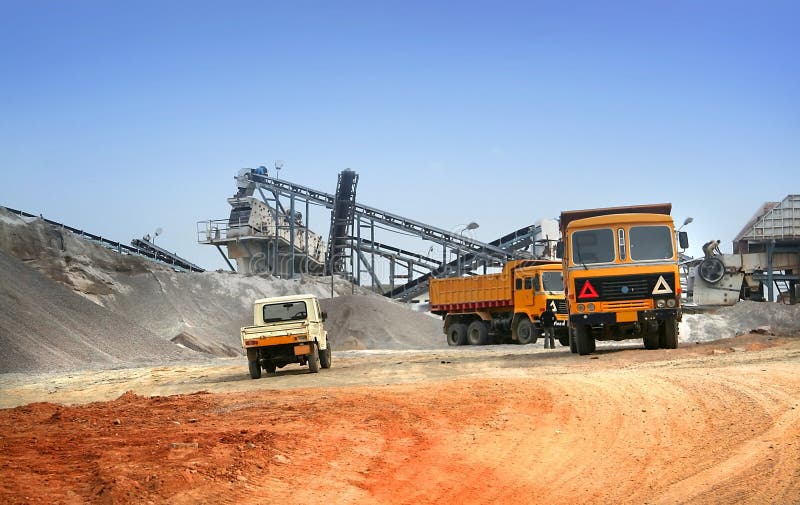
x=588, y=291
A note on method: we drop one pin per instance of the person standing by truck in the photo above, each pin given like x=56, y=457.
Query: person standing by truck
x=548, y=320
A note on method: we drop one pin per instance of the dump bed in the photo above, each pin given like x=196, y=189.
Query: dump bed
x=471, y=293
x=571, y=215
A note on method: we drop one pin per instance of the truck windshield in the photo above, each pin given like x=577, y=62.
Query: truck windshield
x=650, y=243
x=288, y=311
x=552, y=281
x=593, y=246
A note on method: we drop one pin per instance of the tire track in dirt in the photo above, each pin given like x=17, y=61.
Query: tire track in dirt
x=595, y=432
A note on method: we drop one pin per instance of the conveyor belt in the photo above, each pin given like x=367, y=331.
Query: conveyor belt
x=432, y=233
x=518, y=239
x=150, y=252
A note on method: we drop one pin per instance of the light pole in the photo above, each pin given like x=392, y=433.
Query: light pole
x=472, y=225
x=685, y=222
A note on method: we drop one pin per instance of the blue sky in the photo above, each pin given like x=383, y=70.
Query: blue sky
x=123, y=117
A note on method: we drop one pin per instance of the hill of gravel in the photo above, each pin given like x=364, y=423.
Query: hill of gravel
x=741, y=318
x=199, y=311
x=371, y=322
x=45, y=326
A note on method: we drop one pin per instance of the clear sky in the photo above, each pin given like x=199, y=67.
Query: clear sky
x=121, y=117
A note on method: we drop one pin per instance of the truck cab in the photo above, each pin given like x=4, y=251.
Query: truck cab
x=286, y=329
x=621, y=276
x=537, y=288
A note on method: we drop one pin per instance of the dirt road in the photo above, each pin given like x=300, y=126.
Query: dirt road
x=710, y=423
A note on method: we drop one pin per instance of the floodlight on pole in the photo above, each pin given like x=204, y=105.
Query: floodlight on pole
x=685, y=222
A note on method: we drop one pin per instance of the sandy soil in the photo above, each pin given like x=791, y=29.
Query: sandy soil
x=707, y=423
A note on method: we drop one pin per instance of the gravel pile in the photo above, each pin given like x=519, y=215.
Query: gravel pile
x=371, y=322
x=198, y=311
x=45, y=326
x=741, y=318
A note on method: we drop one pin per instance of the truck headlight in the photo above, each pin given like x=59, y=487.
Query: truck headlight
x=581, y=308
x=671, y=302
x=661, y=303
x=590, y=307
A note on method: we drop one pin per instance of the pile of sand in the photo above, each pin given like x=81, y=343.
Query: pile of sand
x=198, y=311
x=45, y=326
x=370, y=322
x=741, y=318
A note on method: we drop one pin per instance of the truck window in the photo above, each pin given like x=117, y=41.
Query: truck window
x=553, y=281
x=536, y=284
x=277, y=312
x=518, y=284
x=650, y=243
x=528, y=284
x=593, y=246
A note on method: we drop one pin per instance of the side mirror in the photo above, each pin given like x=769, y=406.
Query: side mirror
x=560, y=250
x=683, y=239
x=324, y=315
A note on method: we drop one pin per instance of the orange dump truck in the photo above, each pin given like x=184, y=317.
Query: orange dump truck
x=621, y=274
x=501, y=308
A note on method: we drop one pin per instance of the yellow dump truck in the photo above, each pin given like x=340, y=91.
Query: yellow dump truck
x=621, y=275
x=286, y=329
x=502, y=307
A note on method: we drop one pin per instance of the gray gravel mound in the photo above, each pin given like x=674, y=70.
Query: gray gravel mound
x=372, y=322
x=46, y=326
x=198, y=311
x=741, y=318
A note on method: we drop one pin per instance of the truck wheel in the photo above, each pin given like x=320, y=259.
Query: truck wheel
x=477, y=333
x=457, y=334
x=526, y=333
x=325, y=358
x=313, y=359
x=270, y=366
x=584, y=342
x=255, y=369
x=650, y=341
x=668, y=334
x=573, y=348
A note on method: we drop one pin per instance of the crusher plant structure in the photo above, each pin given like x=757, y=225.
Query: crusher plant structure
x=765, y=264
x=262, y=236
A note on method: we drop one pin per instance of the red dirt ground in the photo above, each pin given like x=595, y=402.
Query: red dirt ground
x=709, y=429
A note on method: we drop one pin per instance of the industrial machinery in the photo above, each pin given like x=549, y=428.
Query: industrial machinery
x=263, y=238
x=263, y=234
x=766, y=256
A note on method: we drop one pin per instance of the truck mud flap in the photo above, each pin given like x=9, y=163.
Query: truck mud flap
x=302, y=350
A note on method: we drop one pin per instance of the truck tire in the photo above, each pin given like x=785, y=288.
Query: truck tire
x=313, y=359
x=457, y=334
x=325, y=358
x=255, y=369
x=668, y=334
x=270, y=367
x=573, y=347
x=526, y=332
x=584, y=342
x=478, y=333
x=651, y=341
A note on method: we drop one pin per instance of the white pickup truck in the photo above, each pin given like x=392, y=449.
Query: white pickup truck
x=286, y=329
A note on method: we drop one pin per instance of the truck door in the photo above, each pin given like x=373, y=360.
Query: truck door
x=524, y=292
